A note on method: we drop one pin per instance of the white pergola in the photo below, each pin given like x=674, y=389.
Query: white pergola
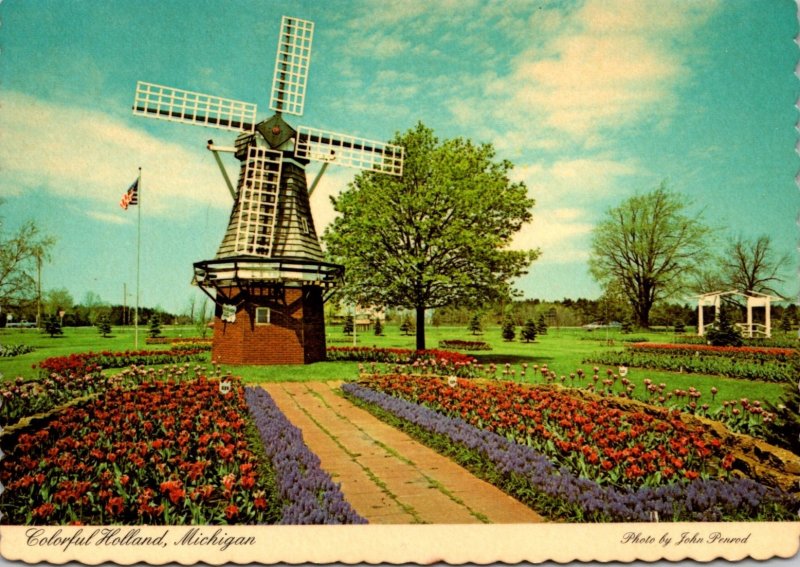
x=753, y=299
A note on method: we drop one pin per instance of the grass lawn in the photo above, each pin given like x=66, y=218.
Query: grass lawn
x=563, y=350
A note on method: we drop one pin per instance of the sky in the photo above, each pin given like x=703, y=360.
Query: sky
x=591, y=101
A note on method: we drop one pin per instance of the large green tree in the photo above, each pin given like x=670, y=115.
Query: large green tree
x=648, y=246
x=437, y=236
x=21, y=255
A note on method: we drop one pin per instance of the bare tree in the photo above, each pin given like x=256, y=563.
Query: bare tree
x=751, y=265
x=21, y=255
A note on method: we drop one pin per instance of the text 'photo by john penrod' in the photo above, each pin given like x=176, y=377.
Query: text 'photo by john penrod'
x=288, y=263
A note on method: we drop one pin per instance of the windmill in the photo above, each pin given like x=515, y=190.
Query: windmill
x=269, y=279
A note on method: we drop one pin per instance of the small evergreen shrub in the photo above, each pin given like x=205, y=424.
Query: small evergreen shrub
x=529, y=331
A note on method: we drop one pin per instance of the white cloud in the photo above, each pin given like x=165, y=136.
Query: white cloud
x=112, y=218
x=567, y=193
x=583, y=72
x=561, y=234
x=582, y=181
x=79, y=152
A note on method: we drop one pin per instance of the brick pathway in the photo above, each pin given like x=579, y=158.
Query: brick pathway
x=385, y=475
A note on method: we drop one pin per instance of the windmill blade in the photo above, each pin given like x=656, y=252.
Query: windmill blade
x=291, y=66
x=177, y=105
x=349, y=151
x=256, y=211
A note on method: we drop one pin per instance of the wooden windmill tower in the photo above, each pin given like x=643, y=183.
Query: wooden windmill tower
x=269, y=279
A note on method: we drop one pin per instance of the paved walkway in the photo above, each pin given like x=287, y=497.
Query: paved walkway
x=385, y=475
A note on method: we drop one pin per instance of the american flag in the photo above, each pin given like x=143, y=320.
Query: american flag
x=131, y=196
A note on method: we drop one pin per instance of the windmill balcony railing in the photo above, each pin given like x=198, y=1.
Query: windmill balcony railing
x=229, y=272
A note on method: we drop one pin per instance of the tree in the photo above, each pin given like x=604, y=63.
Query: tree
x=752, y=265
x=529, y=331
x=724, y=333
x=56, y=300
x=203, y=317
x=407, y=326
x=92, y=306
x=52, y=326
x=436, y=236
x=541, y=325
x=649, y=246
x=508, y=330
x=104, y=325
x=475, y=325
x=786, y=324
x=348, y=326
x=155, y=326
x=378, y=327
x=21, y=255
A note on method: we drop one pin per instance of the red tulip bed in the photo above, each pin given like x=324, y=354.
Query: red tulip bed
x=64, y=378
x=573, y=458
x=755, y=363
x=83, y=362
x=169, y=451
x=430, y=361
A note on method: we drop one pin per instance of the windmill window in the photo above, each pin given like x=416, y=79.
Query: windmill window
x=304, y=224
x=262, y=315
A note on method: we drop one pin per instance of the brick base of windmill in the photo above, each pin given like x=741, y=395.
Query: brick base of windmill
x=275, y=315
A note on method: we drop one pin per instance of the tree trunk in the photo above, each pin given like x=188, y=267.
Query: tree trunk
x=420, y=327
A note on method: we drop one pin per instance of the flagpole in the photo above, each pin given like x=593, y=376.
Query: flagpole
x=138, y=248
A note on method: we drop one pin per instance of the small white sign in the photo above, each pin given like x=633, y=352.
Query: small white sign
x=229, y=313
x=224, y=387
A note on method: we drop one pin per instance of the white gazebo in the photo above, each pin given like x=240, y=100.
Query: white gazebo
x=753, y=299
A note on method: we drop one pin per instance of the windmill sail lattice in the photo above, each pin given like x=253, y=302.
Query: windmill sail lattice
x=270, y=257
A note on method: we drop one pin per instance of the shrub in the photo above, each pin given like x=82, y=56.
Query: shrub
x=475, y=325
x=724, y=333
x=52, y=326
x=378, y=328
x=529, y=331
x=155, y=326
x=348, y=326
x=541, y=326
x=407, y=327
x=784, y=430
x=508, y=330
x=104, y=325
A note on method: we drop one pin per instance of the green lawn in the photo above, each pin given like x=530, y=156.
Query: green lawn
x=563, y=350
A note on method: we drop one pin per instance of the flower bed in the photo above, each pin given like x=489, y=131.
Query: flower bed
x=431, y=361
x=171, y=452
x=564, y=494
x=23, y=398
x=458, y=344
x=311, y=496
x=14, y=350
x=776, y=341
x=188, y=341
x=87, y=362
x=767, y=364
x=604, y=443
x=750, y=353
